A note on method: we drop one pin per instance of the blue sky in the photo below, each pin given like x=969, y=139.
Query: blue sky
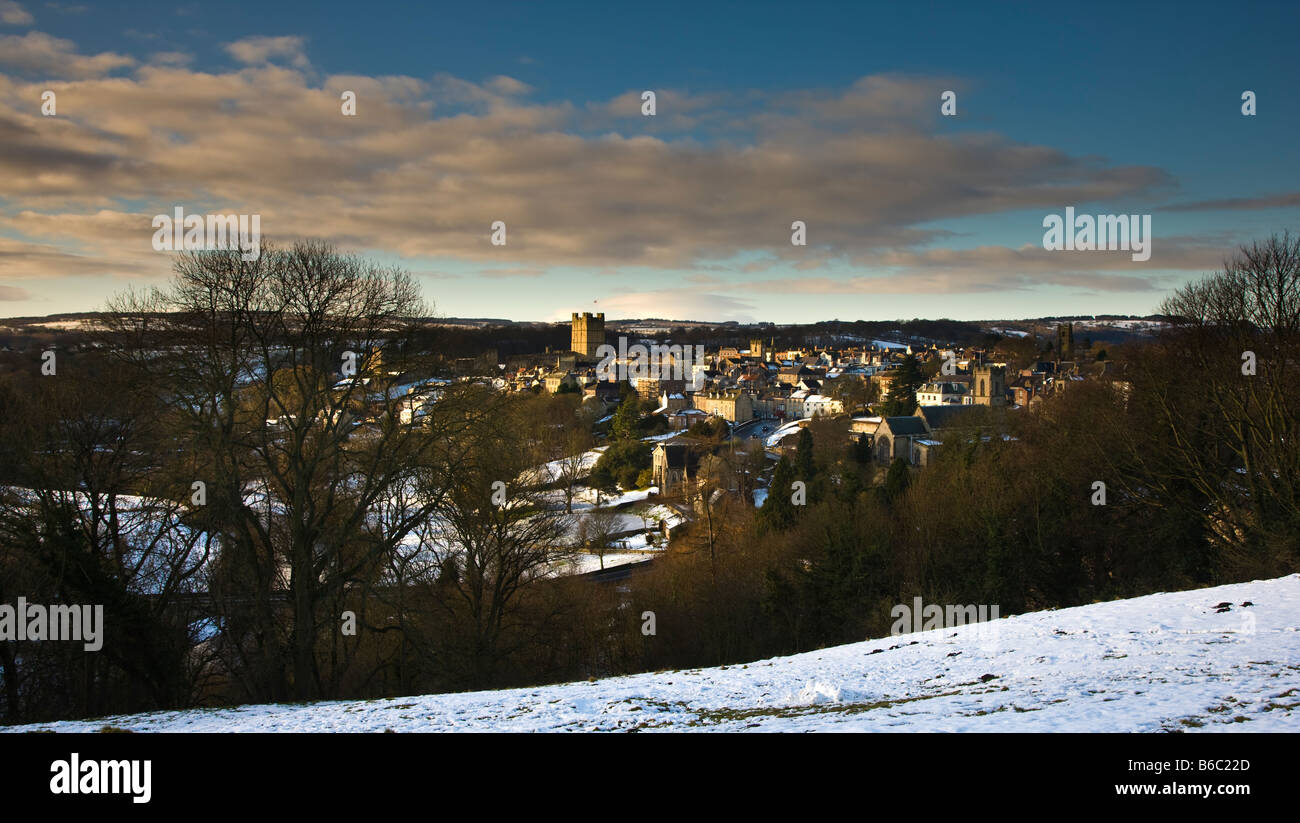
x=767, y=113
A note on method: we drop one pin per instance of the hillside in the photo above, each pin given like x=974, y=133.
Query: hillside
x=1225, y=658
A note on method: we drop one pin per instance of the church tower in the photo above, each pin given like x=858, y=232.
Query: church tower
x=990, y=385
x=587, y=334
x=1065, y=341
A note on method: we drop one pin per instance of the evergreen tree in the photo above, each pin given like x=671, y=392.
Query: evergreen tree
x=898, y=479
x=778, y=510
x=624, y=424
x=902, y=389
x=804, y=467
x=861, y=450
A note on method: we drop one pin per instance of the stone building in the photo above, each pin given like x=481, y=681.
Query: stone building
x=1065, y=341
x=990, y=384
x=587, y=334
x=676, y=463
x=554, y=380
x=736, y=406
x=944, y=392
x=652, y=388
x=895, y=436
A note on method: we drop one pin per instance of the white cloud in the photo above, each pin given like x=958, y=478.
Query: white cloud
x=39, y=53
x=260, y=50
x=14, y=14
x=171, y=58
x=406, y=178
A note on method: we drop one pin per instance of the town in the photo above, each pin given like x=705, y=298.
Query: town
x=578, y=367
x=737, y=410
x=276, y=495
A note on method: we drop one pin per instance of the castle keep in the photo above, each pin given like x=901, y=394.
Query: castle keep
x=588, y=333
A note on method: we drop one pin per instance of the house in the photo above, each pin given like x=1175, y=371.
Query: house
x=923, y=449
x=417, y=404
x=685, y=418
x=652, y=388
x=555, y=380
x=914, y=438
x=736, y=406
x=944, y=392
x=806, y=404
x=605, y=392
x=894, y=437
x=669, y=403
x=863, y=425
x=752, y=380
x=676, y=463
x=792, y=375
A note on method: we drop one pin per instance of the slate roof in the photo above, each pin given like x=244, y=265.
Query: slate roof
x=940, y=416
x=906, y=425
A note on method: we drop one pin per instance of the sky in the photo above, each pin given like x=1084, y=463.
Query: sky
x=765, y=114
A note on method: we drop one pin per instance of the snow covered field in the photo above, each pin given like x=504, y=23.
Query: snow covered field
x=1177, y=661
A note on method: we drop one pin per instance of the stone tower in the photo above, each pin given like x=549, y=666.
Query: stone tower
x=1065, y=341
x=990, y=385
x=588, y=333
x=757, y=349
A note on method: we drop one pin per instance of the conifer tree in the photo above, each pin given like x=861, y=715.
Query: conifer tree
x=778, y=509
x=902, y=389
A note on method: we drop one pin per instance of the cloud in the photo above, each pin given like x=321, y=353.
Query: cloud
x=14, y=293
x=426, y=167
x=171, y=58
x=260, y=50
x=1287, y=200
x=673, y=303
x=513, y=271
x=39, y=53
x=508, y=86
x=67, y=8
x=987, y=269
x=14, y=14
x=24, y=260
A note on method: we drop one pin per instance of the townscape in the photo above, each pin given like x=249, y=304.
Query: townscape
x=699, y=367
x=359, y=500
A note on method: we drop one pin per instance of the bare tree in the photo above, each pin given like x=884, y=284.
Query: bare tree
x=94, y=519
x=596, y=532
x=281, y=374
x=1223, y=389
x=495, y=535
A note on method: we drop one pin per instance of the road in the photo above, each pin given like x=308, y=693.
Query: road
x=762, y=428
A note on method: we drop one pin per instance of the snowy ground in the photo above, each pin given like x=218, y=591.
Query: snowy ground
x=586, y=563
x=1164, y=662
